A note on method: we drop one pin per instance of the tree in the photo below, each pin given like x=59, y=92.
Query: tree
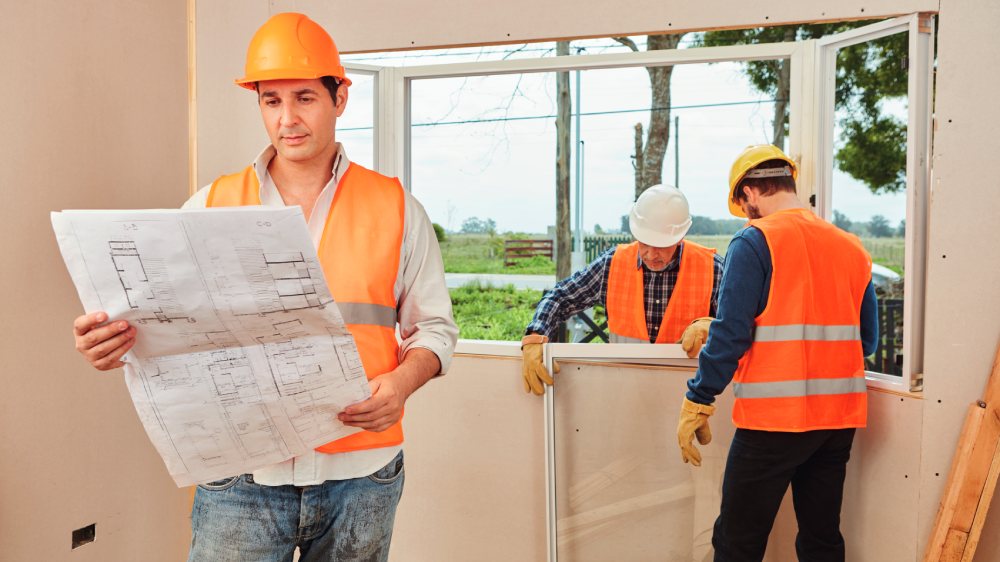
x=651, y=149
x=901, y=229
x=873, y=147
x=563, y=111
x=598, y=229
x=475, y=225
x=879, y=227
x=841, y=221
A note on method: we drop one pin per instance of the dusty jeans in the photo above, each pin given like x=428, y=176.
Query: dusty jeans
x=236, y=519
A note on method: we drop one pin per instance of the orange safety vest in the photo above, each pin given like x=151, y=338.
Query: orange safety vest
x=690, y=299
x=363, y=237
x=805, y=368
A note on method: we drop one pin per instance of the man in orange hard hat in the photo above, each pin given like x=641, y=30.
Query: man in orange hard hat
x=658, y=289
x=797, y=316
x=381, y=259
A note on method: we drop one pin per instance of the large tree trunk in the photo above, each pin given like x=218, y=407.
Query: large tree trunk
x=649, y=162
x=564, y=109
x=783, y=90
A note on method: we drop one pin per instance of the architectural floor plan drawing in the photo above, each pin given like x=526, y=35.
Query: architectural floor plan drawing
x=242, y=358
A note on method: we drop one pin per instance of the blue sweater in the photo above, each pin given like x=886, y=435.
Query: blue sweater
x=746, y=281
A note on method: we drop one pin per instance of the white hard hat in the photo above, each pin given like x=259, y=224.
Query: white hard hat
x=660, y=217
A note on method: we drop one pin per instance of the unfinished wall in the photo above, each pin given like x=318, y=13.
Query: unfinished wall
x=95, y=116
x=475, y=471
x=475, y=468
x=963, y=302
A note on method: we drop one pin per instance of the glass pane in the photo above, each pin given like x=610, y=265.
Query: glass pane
x=869, y=178
x=355, y=129
x=622, y=490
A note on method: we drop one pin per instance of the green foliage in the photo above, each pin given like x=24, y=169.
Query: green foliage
x=439, y=232
x=481, y=253
x=879, y=227
x=841, y=221
x=706, y=225
x=873, y=146
x=484, y=312
x=475, y=225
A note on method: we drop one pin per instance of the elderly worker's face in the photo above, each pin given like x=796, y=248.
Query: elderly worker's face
x=656, y=259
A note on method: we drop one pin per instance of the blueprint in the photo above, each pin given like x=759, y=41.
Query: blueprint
x=242, y=358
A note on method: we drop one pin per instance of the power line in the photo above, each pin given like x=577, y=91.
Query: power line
x=446, y=53
x=584, y=114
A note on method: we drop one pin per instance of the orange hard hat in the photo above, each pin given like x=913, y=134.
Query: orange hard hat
x=291, y=45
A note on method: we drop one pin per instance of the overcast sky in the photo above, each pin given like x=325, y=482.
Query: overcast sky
x=485, y=146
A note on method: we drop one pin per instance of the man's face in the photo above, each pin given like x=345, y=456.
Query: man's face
x=656, y=259
x=300, y=117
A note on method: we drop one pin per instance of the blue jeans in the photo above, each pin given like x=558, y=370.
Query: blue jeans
x=339, y=520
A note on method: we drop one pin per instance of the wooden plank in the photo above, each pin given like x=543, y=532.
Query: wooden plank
x=949, y=500
x=954, y=546
x=977, y=472
x=992, y=396
x=984, y=504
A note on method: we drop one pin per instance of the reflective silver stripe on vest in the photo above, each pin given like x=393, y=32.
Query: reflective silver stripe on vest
x=808, y=387
x=615, y=338
x=367, y=313
x=807, y=332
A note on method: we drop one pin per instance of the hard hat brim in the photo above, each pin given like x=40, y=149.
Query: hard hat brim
x=285, y=74
x=656, y=239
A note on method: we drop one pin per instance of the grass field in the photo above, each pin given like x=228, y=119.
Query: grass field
x=482, y=253
x=484, y=312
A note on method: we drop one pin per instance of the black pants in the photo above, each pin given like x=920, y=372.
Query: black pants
x=760, y=467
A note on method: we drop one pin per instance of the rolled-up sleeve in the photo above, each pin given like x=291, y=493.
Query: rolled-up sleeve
x=423, y=302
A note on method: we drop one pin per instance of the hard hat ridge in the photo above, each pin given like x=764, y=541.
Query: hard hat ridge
x=288, y=46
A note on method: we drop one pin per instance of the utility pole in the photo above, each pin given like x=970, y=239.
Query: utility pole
x=677, y=152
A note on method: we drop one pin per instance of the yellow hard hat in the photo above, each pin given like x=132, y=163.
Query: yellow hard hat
x=751, y=157
x=291, y=45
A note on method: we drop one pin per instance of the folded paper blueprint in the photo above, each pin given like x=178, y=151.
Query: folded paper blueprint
x=242, y=358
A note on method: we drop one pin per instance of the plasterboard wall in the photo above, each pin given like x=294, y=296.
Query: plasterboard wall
x=95, y=117
x=963, y=302
x=475, y=470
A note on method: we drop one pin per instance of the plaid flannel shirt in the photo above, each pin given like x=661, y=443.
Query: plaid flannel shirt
x=589, y=287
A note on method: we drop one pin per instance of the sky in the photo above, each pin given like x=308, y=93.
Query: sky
x=485, y=146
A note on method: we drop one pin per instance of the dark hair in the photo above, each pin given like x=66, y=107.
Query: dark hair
x=329, y=82
x=765, y=186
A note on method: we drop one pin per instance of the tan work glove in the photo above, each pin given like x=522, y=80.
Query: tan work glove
x=533, y=367
x=695, y=336
x=693, y=423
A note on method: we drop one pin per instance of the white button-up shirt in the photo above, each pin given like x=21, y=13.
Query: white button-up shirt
x=423, y=307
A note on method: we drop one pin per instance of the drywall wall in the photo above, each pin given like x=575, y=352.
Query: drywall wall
x=963, y=303
x=475, y=470
x=95, y=117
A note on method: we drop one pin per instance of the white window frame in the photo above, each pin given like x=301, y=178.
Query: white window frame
x=393, y=157
x=810, y=144
x=918, y=147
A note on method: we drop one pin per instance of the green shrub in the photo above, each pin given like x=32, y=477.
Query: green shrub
x=439, y=232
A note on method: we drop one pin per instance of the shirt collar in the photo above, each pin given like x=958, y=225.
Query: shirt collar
x=268, y=191
x=672, y=265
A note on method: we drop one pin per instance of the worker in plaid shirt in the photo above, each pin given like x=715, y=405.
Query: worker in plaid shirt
x=658, y=289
